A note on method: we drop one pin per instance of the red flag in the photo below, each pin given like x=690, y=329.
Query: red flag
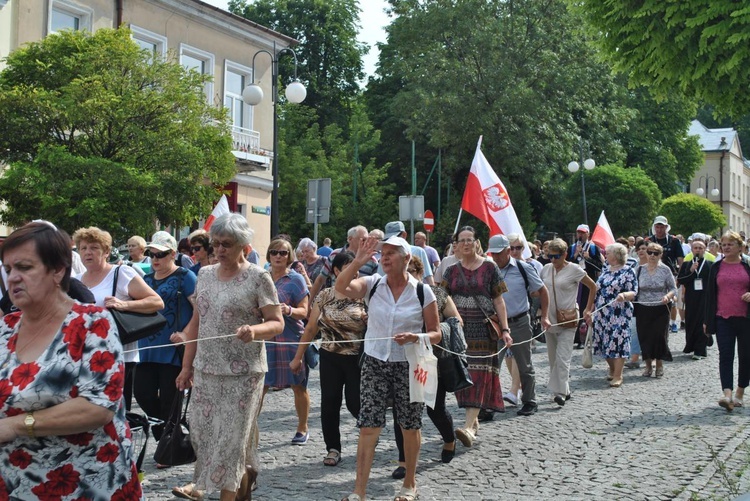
x=222, y=207
x=487, y=199
x=602, y=235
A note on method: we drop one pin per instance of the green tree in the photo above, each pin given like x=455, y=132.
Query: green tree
x=329, y=55
x=698, y=47
x=628, y=197
x=98, y=131
x=688, y=213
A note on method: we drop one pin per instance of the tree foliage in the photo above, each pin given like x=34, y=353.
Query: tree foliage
x=698, y=47
x=89, y=118
x=329, y=55
x=688, y=213
x=628, y=197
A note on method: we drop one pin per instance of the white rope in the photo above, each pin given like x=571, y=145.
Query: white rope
x=225, y=336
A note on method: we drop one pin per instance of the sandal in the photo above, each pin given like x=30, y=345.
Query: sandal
x=659, y=371
x=647, y=372
x=465, y=436
x=406, y=494
x=250, y=484
x=188, y=492
x=332, y=458
x=727, y=403
x=353, y=497
x=616, y=383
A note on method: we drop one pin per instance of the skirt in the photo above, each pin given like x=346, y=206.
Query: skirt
x=652, y=324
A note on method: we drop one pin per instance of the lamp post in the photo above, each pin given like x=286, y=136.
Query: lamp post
x=700, y=191
x=573, y=167
x=252, y=95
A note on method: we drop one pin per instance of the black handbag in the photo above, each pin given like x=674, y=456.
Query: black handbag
x=174, y=447
x=453, y=370
x=133, y=326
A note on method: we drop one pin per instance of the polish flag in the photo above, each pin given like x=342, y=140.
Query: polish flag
x=486, y=198
x=222, y=207
x=602, y=235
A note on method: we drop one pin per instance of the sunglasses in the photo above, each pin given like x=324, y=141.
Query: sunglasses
x=196, y=248
x=282, y=253
x=227, y=245
x=516, y=247
x=554, y=256
x=653, y=253
x=159, y=255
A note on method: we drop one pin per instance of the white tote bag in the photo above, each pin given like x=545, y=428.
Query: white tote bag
x=422, y=371
x=587, y=360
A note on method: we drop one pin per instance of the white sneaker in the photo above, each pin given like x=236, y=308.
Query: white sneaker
x=511, y=399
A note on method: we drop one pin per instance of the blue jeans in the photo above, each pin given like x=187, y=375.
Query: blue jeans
x=635, y=345
x=729, y=331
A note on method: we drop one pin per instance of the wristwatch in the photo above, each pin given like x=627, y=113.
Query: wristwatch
x=29, y=421
x=505, y=330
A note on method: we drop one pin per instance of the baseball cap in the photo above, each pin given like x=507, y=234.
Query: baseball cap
x=397, y=242
x=162, y=241
x=498, y=243
x=583, y=227
x=661, y=220
x=394, y=228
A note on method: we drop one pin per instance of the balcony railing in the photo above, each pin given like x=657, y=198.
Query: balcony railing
x=247, y=150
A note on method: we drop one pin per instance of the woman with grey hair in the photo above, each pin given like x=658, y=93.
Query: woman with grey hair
x=236, y=305
x=657, y=291
x=307, y=253
x=616, y=288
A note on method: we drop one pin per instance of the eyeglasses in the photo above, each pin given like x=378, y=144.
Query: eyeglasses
x=516, y=247
x=282, y=253
x=411, y=270
x=159, y=255
x=653, y=253
x=196, y=248
x=554, y=256
x=466, y=241
x=227, y=245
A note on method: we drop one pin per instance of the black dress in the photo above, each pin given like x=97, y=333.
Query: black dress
x=695, y=305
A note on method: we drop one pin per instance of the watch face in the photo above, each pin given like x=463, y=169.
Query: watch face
x=29, y=421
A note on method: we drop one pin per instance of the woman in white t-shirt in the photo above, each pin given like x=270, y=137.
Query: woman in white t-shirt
x=562, y=279
x=132, y=293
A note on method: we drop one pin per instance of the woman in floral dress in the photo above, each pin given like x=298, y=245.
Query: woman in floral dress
x=611, y=339
x=63, y=433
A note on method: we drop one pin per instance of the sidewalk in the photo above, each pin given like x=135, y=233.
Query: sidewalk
x=650, y=439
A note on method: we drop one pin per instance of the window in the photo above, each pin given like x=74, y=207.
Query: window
x=67, y=15
x=150, y=41
x=236, y=78
x=200, y=61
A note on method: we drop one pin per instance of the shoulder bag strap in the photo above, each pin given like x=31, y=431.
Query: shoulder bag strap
x=114, y=281
x=554, y=289
x=473, y=296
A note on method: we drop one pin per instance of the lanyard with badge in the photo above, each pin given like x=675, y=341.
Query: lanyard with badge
x=698, y=283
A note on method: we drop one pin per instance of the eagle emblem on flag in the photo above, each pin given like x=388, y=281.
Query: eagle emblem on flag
x=496, y=198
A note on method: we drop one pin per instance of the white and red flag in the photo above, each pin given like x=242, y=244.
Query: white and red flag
x=602, y=235
x=487, y=199
x=222, y=207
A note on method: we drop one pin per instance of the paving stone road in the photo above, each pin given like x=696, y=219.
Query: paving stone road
x=650, y=439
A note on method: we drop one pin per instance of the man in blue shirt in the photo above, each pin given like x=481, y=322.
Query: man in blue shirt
x=521, y=279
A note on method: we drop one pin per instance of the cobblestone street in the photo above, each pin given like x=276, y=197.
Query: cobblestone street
x=650, y=439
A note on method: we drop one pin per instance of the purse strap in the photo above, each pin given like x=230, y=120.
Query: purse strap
x=187, y=404
x=114, y=280
x=554, y=289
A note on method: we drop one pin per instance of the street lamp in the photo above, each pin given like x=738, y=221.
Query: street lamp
x=700, y=191
x=573, y=167
x=253, y=95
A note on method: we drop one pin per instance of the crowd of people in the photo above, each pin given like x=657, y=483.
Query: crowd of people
x=356, y=312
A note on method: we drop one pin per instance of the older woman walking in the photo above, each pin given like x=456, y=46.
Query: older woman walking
x=562, y=279
x=236, y=300
x=396, y=317
x=307, y=253
x=728, y=316
x=656, y=293
x=617, y=286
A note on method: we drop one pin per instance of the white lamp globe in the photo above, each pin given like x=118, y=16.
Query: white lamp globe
x=295, y=92
x=252, y=94
x=715, y=192
x=573, y=166
x=589, y=164
x=700, y=192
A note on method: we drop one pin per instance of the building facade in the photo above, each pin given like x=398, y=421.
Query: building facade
x=202, y=37
x=724, y=177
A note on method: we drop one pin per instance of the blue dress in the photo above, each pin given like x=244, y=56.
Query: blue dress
x=291, y=289
x=612, y=324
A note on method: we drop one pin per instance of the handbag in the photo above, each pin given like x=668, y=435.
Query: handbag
x=494, y=330
x=133, y=326
x=422, y=372
x=174, y=447
x=587, y=360
x=453, y=370
x=567, y=319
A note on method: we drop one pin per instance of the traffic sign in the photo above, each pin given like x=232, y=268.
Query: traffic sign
x=429, y=221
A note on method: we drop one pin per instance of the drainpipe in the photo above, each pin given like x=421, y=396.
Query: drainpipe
x=118, y=17
x=721, y=181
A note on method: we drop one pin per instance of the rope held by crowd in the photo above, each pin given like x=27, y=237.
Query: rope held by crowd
x=172, y=345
